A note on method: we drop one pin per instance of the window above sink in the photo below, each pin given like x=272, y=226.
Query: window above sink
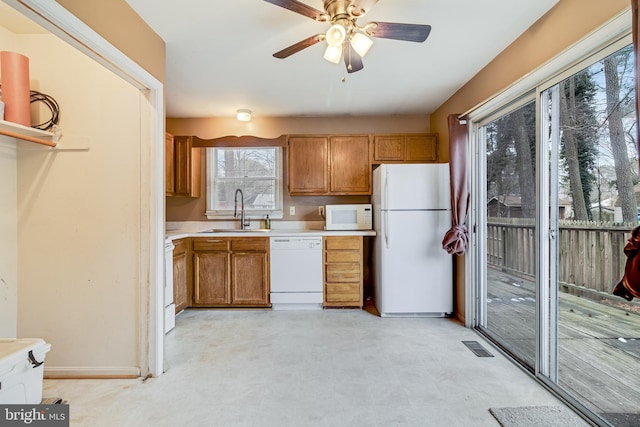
x=257, y=171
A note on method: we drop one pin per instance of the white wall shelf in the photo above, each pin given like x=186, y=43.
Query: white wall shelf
x=15, y=130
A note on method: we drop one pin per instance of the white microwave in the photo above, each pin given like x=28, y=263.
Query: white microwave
x=348, y=217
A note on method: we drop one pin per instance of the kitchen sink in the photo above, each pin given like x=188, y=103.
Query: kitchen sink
x=236, y=230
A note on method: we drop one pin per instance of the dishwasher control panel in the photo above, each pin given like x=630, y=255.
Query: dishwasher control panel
x=296, y=243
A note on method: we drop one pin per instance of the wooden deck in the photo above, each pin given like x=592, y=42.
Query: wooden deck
x=599, y=342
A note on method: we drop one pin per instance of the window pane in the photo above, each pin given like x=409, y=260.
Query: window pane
x=511, y=229
x=254, y=162
x=258, y=194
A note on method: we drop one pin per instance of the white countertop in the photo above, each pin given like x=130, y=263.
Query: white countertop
x=292, y=229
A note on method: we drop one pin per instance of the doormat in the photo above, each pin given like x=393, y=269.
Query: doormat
x=622, y=419
x=536, y=416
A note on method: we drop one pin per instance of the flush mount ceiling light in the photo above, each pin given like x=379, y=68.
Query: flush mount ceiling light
x=345, y=38
x=243, y=115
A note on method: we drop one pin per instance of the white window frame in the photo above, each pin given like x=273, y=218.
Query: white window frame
x=211, y=164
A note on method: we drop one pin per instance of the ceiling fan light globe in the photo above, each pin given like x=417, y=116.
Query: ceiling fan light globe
x=361, y=44
x=336, y=35
x=333, y=54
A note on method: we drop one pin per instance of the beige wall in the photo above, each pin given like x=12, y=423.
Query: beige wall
x=8, y=237
x=561, y=27
x=8, y=220
x=79, y=217
x=116, y=22
x=187, y=209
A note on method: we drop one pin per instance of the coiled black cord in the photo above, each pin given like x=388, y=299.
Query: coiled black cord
x=53, y=107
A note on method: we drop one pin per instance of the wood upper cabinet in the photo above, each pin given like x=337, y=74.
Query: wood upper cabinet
x=329, y=165
x=180, y=268
x=388, y=148
x=307, y=166
x=343, y=271
x=405, y=148
x=183, y=166
x=231, y=272
x=168, y=164
x=349, y=165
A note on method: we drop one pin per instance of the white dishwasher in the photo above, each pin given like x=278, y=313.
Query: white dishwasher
x=296, y=273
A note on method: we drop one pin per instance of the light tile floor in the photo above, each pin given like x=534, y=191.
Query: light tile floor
x=309, y=368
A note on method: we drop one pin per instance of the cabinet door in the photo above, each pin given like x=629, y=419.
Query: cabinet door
x=349, y=165
x=421, y=148
x=388, y=148
x=250, y=285
x=211, y=285
x=307, y=166
x=180, y=278
x=186, y=167
x=168, y=162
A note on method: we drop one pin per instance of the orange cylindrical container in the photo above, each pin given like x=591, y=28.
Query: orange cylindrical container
x=14, y=77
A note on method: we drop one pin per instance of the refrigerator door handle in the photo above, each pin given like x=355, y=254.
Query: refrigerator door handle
x=385, y=198
x=386, y=228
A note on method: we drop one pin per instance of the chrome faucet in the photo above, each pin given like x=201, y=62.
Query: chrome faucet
x=235, y=209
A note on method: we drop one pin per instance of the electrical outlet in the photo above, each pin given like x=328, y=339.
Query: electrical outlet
x=321, y=211
x=292, y=210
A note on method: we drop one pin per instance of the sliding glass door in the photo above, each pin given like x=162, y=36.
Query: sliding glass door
x=557, y=195
x=509, y=141
x=594, y=171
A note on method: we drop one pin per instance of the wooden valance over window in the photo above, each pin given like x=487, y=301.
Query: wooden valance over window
x=240, y=141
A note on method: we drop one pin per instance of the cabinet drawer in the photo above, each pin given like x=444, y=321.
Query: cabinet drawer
x=250, y=244
x=348, y=242
x=343, y=256
x=342, y=292
x=211, y=244
x=345, y=272
x=180, y=246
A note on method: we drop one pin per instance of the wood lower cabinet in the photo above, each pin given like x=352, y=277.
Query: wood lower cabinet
x=405, y=148
x=343, y=271
x=231, y=272
x=180, y=275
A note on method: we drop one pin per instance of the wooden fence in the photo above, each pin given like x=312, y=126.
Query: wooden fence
x=590, y=254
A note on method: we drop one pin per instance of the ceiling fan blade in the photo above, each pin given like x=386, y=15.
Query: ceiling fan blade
x=392, y=30
x=361, y=7
x=295, y=48
x=298, y=7
x=352, y=60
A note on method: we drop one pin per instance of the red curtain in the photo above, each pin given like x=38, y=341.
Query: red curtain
x=636, y=41
x=457, y=238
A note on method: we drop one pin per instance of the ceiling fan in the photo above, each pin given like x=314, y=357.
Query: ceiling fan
x=345, y=38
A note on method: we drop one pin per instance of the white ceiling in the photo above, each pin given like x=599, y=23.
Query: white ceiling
x=219, y=56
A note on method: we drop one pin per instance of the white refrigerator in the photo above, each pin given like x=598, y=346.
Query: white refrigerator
x=413, y=275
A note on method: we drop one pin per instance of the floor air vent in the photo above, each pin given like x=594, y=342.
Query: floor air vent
x=477, y=348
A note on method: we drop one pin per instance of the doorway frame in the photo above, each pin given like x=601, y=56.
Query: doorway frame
x=63, y=24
